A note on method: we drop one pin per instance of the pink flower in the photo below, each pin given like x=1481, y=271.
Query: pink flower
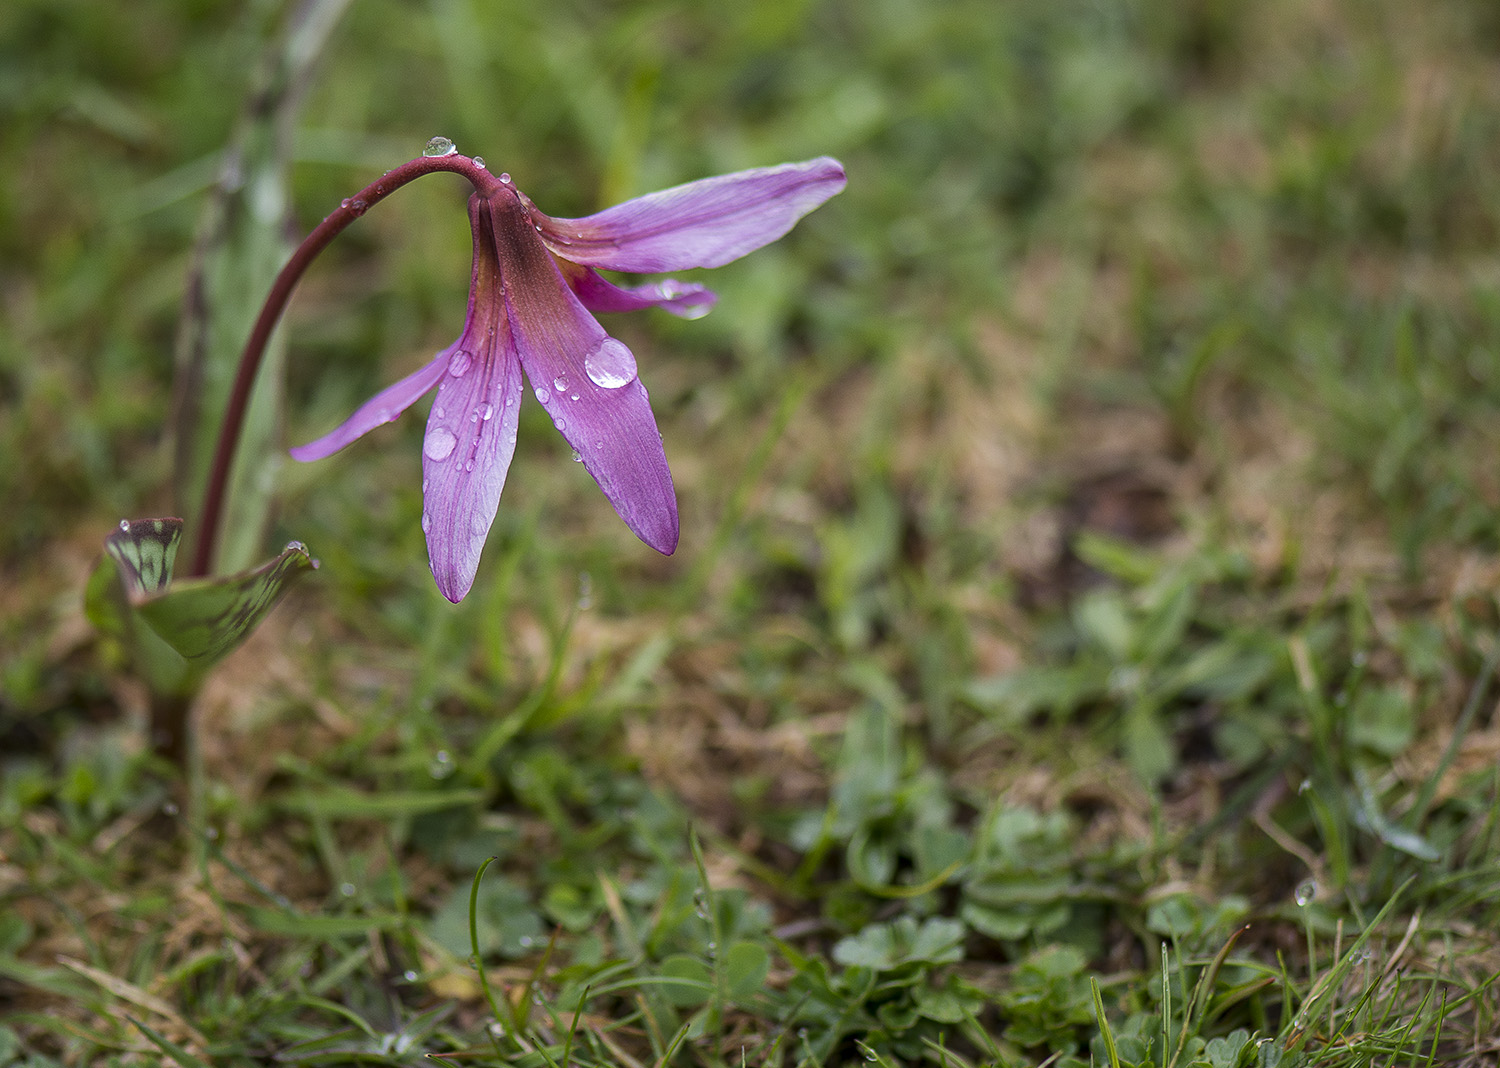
x=530, y=302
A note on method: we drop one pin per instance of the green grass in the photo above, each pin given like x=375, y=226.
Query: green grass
x=1083, y=639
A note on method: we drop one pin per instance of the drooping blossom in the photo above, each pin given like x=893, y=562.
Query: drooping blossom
x=534, y=287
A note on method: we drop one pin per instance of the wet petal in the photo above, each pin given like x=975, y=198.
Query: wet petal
x=686, y=299
x=384, y=407
x=466, y=452
x=706, y=223
x=586, y=381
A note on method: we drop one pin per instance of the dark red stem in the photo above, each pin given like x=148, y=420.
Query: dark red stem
x=212, y=514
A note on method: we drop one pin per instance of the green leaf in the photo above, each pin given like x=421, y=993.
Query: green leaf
x=280, y=922
x=175, y=632
x=746, y=966
x=690, y=983
x=341, y=803
x=205, y=619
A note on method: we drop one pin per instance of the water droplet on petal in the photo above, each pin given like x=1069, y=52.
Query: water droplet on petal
x=560, y=423
x=469, y=465
x=439, y=444
x=458, y=363
x=543, y=394
x=426, y=522
x=560, y=383
x=610, y=365
x=577, y=457
x=440, y=146
x=485, y=411
x=574, y=396
x=598, y=444
x=125, y=526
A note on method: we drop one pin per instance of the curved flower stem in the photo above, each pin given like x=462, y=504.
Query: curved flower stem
x=212, y=513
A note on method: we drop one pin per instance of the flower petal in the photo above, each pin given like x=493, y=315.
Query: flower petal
x=686, y=299
x=470, y=440
x=585, y=380
x=706, y=223
x=384, y=407
x=471, y=430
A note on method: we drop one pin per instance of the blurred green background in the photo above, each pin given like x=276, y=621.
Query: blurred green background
x=1089, y=535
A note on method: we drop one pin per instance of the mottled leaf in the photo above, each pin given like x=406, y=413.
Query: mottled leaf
x=204, y=619
x=144, y=550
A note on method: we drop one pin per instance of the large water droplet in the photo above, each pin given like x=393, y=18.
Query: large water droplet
x=560, y=383
x=485, y=411
x=479, y=161
x=440, y=146
x=611, y=365
x=560, y=423
x=543, y=394
x=458, y=363
x=505, y=178
x=1306, y=891
x=439, y=444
